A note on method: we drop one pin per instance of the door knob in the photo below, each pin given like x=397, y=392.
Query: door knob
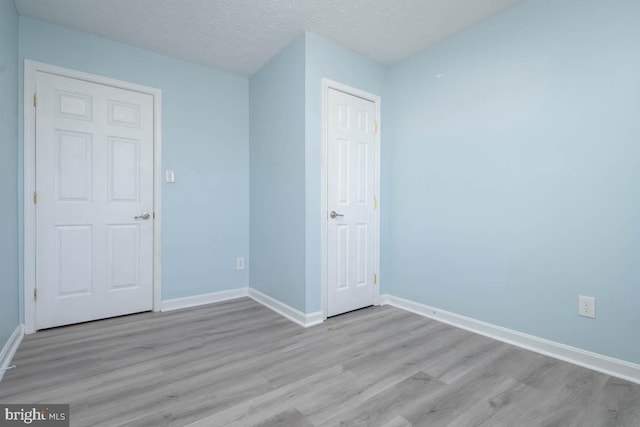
x=334, y=214
x=144, y=216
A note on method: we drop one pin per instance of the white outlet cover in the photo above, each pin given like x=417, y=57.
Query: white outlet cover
x=240, y=263
x=587, y=306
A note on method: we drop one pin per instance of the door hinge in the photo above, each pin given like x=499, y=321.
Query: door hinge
x=35, y=197
x=35, y=99
x=375, y=126
x=375, y=202
x=375, y=279
x=35, y=294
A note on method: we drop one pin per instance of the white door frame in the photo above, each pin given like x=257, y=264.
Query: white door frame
x=326, y=85
x=30, y=70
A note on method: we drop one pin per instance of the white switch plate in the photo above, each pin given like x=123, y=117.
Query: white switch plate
x=587, y=306
x=170, y=176
x=240, y=263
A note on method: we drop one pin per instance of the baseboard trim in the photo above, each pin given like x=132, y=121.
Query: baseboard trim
x=302, y=319
x=598, y=362
x=202, y=299
x=10, y=348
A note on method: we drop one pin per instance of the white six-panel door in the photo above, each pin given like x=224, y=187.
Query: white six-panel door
x=94, y=176
x=350, y=202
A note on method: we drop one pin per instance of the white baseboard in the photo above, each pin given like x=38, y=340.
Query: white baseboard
x=196, y=300
x=608, y=365
x=10, y=348
x=302, y=319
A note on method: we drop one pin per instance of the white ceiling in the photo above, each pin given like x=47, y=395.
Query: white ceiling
x=239, y=36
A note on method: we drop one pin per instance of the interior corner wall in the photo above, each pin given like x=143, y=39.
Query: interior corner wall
x=516, y=163
x=205, y=140
x=9, y=299
x=326, y=59
x=277, y=190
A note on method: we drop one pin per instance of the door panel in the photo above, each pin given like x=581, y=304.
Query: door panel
x=124, y=256
x=94, y=174
x=73, y=253
x=73, y=163
x=351, y=175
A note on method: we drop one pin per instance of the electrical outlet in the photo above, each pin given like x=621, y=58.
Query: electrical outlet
x=587, y=306
x=240, y=263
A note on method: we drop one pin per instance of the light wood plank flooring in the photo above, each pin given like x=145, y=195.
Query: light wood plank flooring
x=238, y=363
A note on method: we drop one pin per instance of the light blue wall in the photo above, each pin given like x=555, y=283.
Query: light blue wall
x=515, y=174
x=326, y=59
x=8, y=170
x=278, y=176
x=205, y=139
x=285, y=163
x=509, y=171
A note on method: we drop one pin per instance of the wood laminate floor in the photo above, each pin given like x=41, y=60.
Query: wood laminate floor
x=238, y=363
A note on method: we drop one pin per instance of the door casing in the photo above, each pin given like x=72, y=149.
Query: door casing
x=29, y=183
x=326, y=85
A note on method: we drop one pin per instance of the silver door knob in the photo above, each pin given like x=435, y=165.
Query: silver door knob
x=334, y=214
x=144, y=216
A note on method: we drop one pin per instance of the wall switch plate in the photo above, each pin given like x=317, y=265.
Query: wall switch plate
x=240, y=263
x=587, y=306
x=170, y=176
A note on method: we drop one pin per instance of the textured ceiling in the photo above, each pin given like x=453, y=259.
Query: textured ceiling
x=239, y=36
